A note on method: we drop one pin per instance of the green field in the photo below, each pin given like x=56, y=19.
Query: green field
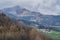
x=55, y=35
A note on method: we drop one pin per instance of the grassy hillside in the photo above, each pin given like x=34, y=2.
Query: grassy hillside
x=13, y=30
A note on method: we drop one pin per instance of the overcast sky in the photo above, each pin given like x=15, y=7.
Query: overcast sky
x=48, y=7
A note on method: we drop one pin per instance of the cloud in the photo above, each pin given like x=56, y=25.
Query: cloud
x=5, y=3
x=48, y=7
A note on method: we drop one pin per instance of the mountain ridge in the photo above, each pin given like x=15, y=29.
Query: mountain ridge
x=25, y=14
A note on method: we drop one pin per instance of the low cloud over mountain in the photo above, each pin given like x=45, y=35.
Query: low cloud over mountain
x=47, y=7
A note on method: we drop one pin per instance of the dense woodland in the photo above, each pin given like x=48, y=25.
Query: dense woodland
x=13, y=30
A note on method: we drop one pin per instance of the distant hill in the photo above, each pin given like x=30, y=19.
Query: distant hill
x=18, y=13
x=11, y=29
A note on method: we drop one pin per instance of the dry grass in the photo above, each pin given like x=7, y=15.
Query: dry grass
x=22, y=35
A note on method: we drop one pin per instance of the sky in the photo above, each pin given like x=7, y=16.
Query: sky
x=47, y=7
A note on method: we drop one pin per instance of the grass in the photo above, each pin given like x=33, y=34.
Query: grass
x=54, y=35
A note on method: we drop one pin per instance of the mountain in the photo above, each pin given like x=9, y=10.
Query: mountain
x=20, y=13
x=31, y=18
x=11, y=29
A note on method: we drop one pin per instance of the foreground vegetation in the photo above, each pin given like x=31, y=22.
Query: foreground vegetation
x=11, y=29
